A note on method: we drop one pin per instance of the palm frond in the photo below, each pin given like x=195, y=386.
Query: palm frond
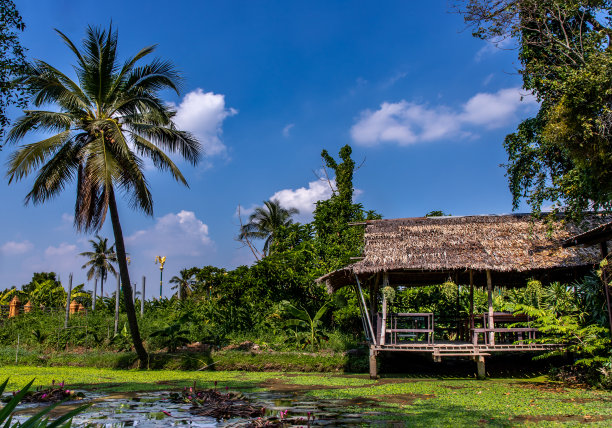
x=41, y=121
x=31, y=156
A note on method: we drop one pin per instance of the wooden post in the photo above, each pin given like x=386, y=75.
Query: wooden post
x=491, y=322
x=93, y=302
x=374, y=297
x=68, y=301
x=117, y=303
x=373, y=367
x=383, y=327
x=480, y=367
x=458, y=311
x=604, y=276
x=471, y=298
x=142, y=297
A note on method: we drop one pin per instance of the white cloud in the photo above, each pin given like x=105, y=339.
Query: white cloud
x=63, y=249
x=287, y=129
x=67, y=218
x=202, y=114
x=181, y=234
x=407, y=123
x=13, y=248
x=303, y=199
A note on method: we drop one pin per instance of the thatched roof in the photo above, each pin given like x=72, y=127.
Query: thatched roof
x=594, y=236
x=513, y=247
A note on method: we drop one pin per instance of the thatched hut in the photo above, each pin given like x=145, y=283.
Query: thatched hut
x=501, y=250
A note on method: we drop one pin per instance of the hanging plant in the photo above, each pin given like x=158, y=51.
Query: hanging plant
x=389, y=293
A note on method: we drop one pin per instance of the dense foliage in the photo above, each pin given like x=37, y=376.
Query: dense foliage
x=12, y=61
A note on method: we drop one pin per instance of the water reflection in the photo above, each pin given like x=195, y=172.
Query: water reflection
x=151, y=409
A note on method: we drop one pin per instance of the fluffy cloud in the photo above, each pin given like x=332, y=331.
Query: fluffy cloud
x=407, y=123
x=202, y=114
x=13, y=248
x=181, y=234
x=303, y=199
x=63, y=249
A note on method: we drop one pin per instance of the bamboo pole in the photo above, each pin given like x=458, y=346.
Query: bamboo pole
x=365, y=308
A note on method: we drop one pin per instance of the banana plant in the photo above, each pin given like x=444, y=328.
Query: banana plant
x=39, y=420
x=302, y=319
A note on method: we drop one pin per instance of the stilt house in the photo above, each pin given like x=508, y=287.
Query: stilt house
x=477, y=251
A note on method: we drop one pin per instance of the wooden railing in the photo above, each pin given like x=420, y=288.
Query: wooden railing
x=398, y=328
x=500, y=329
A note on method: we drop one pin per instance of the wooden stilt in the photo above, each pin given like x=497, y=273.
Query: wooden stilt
x=480, y=367
x=373, y=366
x=491, y=322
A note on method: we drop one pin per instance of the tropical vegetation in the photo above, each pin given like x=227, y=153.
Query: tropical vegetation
x=102, y=127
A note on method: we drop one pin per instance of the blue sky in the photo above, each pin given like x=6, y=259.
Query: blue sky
x=267, y=86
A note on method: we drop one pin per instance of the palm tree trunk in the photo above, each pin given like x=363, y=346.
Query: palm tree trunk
x=125, y=281
x=101, y=286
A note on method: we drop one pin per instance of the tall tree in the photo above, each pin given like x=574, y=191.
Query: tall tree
x=265, y=221
x=337, y=239
x=101, y=127
x=100, y=261
x=12, y=61
x=564, y=154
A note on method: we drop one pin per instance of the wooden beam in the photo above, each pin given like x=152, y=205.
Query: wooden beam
x=491, y=322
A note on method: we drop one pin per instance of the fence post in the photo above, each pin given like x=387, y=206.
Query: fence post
x=93, y=304
x=142, y=296
x=68, y=301
x=117, y=303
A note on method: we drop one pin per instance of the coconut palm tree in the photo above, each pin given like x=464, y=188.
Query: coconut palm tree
x=184, y=283
x=102, y=127
x=100, y=261
x=265, y=221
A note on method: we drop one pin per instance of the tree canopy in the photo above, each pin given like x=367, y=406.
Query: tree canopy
x=564, y=154
x=12, y=61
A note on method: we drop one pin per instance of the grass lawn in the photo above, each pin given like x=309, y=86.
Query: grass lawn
x=417, y=402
